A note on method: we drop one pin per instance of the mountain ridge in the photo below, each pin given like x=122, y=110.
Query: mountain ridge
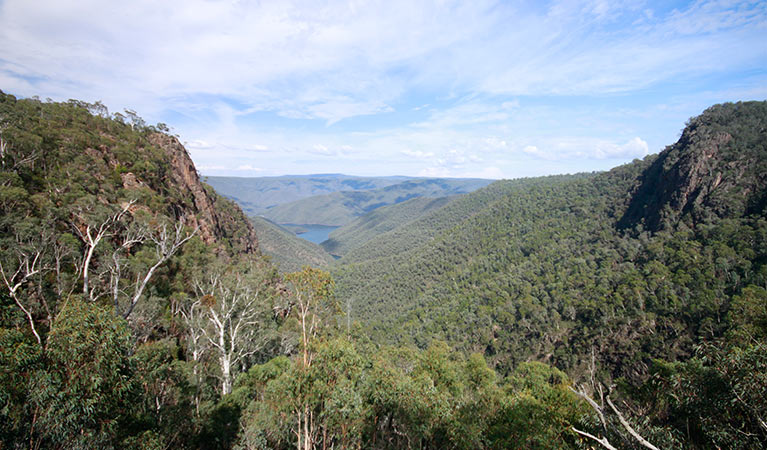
x=340, y=208
x=710, y=170
x=509, y=279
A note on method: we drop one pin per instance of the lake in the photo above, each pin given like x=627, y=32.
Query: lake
x=316, y=233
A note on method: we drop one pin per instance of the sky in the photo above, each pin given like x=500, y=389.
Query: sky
x=480, y=88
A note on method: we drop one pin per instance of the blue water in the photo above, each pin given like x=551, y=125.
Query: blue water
x=316, y=233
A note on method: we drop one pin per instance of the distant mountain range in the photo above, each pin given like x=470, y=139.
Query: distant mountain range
x=341, y=208
x=257, y=194
x=332, y=200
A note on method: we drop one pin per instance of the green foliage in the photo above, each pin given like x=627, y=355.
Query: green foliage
x=461, y=303
x=380, y=221
x=166, y=393
x=540, y=412
x=20, y=358
x=748, y=316
x=716, y=398
x=288, y=251
x=401, y=398
x=87, y=389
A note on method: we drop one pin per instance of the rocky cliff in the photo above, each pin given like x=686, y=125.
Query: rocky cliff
x=715, y=169
x=216, y=217
x=75, y=156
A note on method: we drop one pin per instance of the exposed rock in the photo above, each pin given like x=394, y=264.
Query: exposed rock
x=130, y=181
x=711, y=171
x=215, y=217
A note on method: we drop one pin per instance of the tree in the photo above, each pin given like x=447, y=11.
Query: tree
x=126, y=235
x=601, y=411
x=87, y=388
x=166, y=244
x=311, y=297
x=92, y=231
x=18, y=265
x=232, y=310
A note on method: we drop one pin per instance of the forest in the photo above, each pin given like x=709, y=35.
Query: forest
x=624, y=309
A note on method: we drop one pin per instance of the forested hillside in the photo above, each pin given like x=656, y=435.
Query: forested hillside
x=379, y=221
x=425, y=228
x=287, y=251
x=541, y=269
x=137, y=311
x=108, y=240
x=653, y=260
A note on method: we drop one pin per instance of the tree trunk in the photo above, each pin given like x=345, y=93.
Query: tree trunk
x=226, y=375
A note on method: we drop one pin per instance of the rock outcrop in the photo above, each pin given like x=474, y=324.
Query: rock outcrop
x=715, y=169
x=217, y=218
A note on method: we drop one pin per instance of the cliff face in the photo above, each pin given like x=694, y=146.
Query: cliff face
x=715, y=169
x=216, y=217
x=75, y=156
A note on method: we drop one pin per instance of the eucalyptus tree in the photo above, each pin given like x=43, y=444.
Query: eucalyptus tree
x=231, y=315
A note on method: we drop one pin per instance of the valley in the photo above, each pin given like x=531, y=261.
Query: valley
x=361, y=225
x=428, y=313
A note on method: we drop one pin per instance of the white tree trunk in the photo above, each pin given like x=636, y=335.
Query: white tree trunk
x=226, y=375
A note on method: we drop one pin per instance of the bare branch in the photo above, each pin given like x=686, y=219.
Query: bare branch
x=92, y=235
x=603, y=441
x=582, y=394
x=165, y=248
x=29, y=264
x=628, y=427
x=229, y=319
x=599, y=410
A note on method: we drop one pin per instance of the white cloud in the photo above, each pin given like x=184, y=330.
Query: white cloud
x=417, y=154
x=198, y=144
x=492, y=173
x=485, y=79
x=319, y=149
x=587, y=148
x=340, y=60
x=533, y=150
x=434, y=172
x=210, y=167
x=635, y=148
x=248, y=168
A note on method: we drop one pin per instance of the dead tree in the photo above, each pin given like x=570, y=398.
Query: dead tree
x=19, y=270
x=233, y=312
x=600, y=410
x=92, y=235
x=194, y=317
x=166, y=244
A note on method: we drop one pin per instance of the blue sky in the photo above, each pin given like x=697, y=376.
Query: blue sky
x=495, y=89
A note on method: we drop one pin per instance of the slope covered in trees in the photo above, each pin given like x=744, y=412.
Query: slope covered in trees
x=607, y=277
x=108, y=243
x=380, y=221
x=287, y=251
x=137, y=312
x=428, y=226
x=543, y=271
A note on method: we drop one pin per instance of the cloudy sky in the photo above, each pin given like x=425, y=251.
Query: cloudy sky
x=496, y=89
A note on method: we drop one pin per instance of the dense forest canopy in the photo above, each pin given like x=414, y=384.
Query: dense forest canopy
x=626, y=309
